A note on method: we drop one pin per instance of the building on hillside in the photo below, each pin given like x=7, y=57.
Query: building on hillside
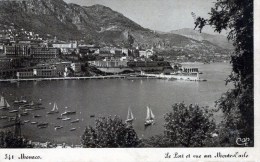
x=44, y=53
x=125, y=51
x=17, y=50
x=147, y=53
x=66, y=48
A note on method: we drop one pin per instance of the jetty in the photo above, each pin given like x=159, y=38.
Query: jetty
x=64, y=78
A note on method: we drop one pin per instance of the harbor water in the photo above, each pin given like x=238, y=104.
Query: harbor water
x=105, y=97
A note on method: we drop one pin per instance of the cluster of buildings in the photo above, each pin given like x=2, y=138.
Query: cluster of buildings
x=26, y=59
x=25, y=54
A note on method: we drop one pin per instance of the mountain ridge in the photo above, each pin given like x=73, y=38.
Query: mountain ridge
x=216, y=39
x=94, y=24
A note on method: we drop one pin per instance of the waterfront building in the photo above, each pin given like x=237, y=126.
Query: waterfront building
x=76, y=67
x=24, y=74
x=37, y=73
x=45, y=73
x=44, y=53
x=190, y=70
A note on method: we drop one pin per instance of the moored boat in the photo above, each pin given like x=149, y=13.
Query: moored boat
x=72, y=129
x=68, y=113
x=26, y=121
x=75, y=121
x=3, y=117
x=37, y=116
x=65, y=119
x=58, y=127
x=59, y=117
x=13, y=111
x=42, y=124
x=22, y=101
x=25, y=113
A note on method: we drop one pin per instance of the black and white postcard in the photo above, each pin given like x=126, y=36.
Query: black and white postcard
x=129, y=80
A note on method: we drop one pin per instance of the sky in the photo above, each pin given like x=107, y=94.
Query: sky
x=161, y=15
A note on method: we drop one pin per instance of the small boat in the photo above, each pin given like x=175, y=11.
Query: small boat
x=12, y=118
x=72, y=129
x=54, y=110
x=13, y=81
x=92, y=116
x=75, y=121
x=22, y=101
x=29, y=109
x=68, y=113
x=39, y=108
x=59, y=117
x=41, y=127
x=65, y=119
x=25, y=113
x=13, y=111
x=42, y=124
x=4, y=105
x=3, y=117
x=149, y=117
x=37, y=116
x=58, y=127
x=130, y=116
x=26, y=121
x=34, y=122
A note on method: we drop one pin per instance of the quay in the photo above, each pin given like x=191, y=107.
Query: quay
x=64, y=78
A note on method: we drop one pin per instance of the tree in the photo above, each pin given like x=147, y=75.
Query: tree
x=188, y=126
x=9, y=140
x=237, y=104
x=110, y=132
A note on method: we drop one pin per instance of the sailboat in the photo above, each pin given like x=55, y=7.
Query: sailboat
x=149, y=117
x=130, y=116
x=54, y=109
x=4, y=105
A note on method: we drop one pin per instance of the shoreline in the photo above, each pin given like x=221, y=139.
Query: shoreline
x=63, y=78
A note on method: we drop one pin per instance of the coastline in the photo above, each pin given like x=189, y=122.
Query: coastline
x=64, y=78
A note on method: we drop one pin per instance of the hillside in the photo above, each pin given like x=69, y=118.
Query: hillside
x=219, y=40
x=93, y=24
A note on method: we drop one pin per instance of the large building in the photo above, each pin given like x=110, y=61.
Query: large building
x=17, y=50
x=37, y=73
x=66, y=48
x=147, y=53
x=44, y=53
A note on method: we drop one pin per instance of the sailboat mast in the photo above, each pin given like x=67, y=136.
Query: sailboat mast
x=7, y=104
x=128, y=114
x=2, y=102
x=148, y=113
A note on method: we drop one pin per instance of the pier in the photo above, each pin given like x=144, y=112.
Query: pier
x=64, y=78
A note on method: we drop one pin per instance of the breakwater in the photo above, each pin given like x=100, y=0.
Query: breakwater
x=64, y=78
